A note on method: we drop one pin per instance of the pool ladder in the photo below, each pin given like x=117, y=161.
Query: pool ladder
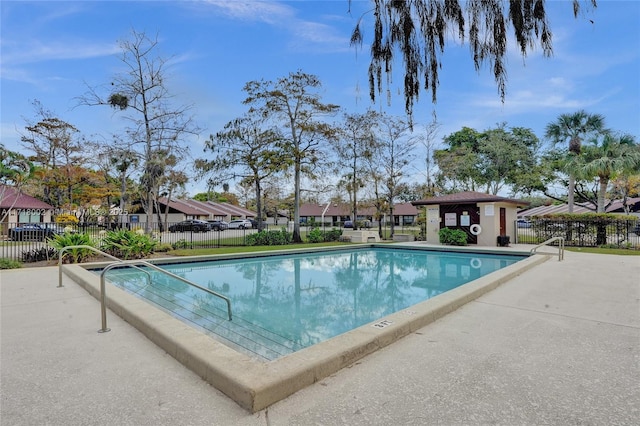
x=134, y=264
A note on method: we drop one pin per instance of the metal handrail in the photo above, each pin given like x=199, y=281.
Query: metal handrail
x=133, y=264
x=550, y=240
x=82, y=246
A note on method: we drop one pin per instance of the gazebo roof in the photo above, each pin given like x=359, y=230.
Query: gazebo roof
x=468, y=197
x=11, y=198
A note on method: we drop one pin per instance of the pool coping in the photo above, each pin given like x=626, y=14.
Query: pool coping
x=254, y=384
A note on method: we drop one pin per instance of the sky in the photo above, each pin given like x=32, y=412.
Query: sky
x=52, y=51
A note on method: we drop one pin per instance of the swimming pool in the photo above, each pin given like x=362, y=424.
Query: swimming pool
x=284, y=303
x=254, y=383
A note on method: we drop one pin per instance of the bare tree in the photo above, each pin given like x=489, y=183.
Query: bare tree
x=354, y=147
x=395, y=148
x=156, y=126
x=427, y=138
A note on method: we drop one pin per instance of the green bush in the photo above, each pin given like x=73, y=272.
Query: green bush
x=180, y=244
x=39, y=254
x=75, y=255
x=126, y=244
x=269, y=238
x=318, y=236
x=315, y=236
x=163, y=248
x=454, y=237
x=332, y=235
x=9, y=264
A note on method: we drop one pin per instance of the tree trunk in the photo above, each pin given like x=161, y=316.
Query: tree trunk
x=602, y=192
x=570, y=195
x=123, y=192
x=296, y=205
x=166, y=210
x=147, y=228
x=258, y=203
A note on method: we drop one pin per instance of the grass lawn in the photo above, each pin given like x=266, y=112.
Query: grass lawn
x=598, y=250
x=245, y=249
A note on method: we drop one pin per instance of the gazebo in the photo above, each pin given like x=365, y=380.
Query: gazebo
x=486, y=218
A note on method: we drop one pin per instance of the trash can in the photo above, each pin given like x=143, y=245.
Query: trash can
x=503, y=240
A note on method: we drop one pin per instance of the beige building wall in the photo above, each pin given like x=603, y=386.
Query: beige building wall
x=433, y=224
x=490, y=222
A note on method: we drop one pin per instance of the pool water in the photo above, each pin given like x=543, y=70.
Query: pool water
x=284, y=303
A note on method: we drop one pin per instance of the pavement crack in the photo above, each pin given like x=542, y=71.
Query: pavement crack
x=599, y=321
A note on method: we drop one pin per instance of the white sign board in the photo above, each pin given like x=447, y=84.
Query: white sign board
x=465, y=220
x=433, y=214
x=488, y=210
x=450, y=219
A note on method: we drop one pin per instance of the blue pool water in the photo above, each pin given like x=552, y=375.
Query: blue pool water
x=284, y=303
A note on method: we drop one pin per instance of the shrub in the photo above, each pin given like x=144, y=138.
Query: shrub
x=66, y=218
x=163, y=248
x=269, y=238
x=39, y=254
x=127, y=244
x=332, y=235
x=454, y=237
x=180, y=244
x=9, y=264
x=318, y=236
x=315, y=236
x=75, y=255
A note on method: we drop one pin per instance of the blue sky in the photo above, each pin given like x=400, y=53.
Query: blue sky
x=50, y=50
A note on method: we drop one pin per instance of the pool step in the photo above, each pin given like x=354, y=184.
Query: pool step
x=208, y=317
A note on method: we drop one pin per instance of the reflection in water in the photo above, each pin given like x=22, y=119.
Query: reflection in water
x=296, y=301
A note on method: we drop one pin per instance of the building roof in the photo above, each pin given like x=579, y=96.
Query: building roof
x=405, y=209
x=344, y=209
x=183, y=207
x=10, y=197
x=468, y=197
x=553, y=209
x=614, y=207
x=233, y=210
x=206, y=208
x=617, y=205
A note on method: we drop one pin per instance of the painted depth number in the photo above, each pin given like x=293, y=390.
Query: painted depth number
x=382, y=324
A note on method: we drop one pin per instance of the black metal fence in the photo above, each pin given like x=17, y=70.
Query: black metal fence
x=26, y=243
x=622, y=233
x=33, y=244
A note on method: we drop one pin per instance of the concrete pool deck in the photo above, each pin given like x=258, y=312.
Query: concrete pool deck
x=557, y=344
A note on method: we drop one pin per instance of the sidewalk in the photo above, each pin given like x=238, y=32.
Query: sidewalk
x=560, y=344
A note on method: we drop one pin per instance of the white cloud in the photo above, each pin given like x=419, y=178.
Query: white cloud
x=305, y=33
x=38, y=51
x=261, y=11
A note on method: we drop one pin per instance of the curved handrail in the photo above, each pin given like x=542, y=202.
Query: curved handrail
x=550, y=240
x=91, y=248
x=133, y=264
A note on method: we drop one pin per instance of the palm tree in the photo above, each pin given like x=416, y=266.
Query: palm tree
x=574, y=128
x=614, y=155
